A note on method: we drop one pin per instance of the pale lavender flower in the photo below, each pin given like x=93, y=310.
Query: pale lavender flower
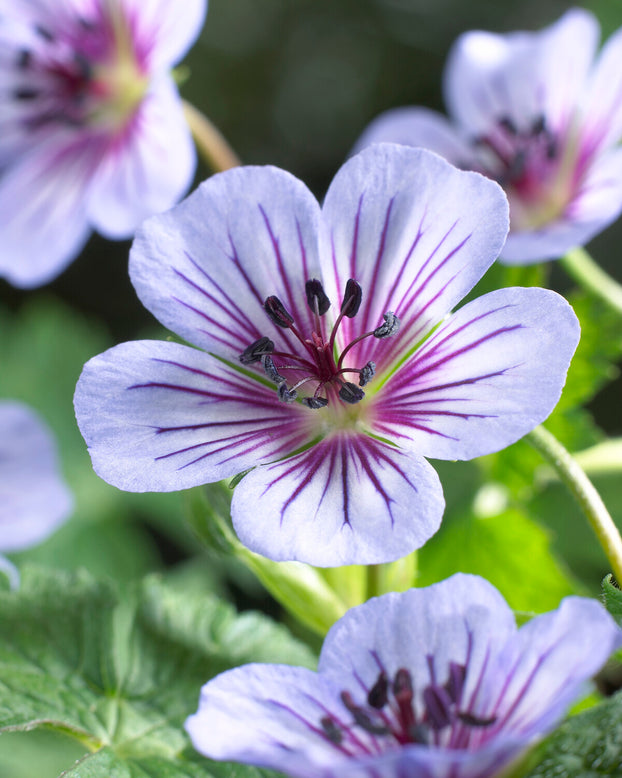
x=428, y=683
x=92, y=133
x=333, y=365
x=541, y=114
x=34, y=499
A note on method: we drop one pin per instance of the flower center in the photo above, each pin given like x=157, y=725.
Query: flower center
x=316, y=364
x=392, y=716
x=531, y=165
x=88, y=76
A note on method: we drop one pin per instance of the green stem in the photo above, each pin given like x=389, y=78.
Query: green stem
x=373, y=581
x=584, y=492
x=580, y=265
x=210, y=142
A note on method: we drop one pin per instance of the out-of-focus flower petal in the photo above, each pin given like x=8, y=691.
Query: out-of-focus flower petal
x=147, y=169
x=34, y=499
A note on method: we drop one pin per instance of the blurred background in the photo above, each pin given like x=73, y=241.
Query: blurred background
x=290, y=83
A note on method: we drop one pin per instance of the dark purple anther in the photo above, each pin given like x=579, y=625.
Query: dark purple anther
x=362, y=718
x=438, y=707
x=44, y=33
x=455, y=682
x=508, y=124
x=390, y=327
x=256, y=351
x=24, y=58
x=276, y=311
x=351, y=299
x=331, y=730
x=403, y=686
x=379, y=693
x=316, y=297
x=286, y=395
x=271, y=371
x=26, y=93
x=315, y=402
x=538, y=125
x=367, y=373
x=476, y=721
x=350, y=393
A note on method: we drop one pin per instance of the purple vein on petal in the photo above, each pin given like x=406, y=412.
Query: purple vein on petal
x=282, y=271
x=355, y=239
x=376, y=268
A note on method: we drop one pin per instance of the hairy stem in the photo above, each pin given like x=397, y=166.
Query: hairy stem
x=210, y=142
x=584, y=493
x=580, y=265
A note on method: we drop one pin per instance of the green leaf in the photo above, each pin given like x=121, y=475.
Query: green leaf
x=588, y=745
x=613, y=598
x=507, y=548
x=121, y=676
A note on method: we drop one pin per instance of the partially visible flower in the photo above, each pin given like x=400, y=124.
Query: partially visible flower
x=34, y=499
x=92, y=133
x=537, y=113
x=334, y=367
x=432, y=683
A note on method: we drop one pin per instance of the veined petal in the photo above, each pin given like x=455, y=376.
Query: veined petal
x=206, y=267
x=162, y=417
x=34, y=499
x=462, y=620
x=492, y=372
x=520, y=74
x=546, y=665
x=415, y=126
x=602, y=107
x=161, y=31
x=268, y=715
x=415, y=232
x=349, y=499
x=145, y=169
x=43, y=222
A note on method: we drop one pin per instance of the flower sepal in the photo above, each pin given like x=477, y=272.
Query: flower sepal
x=301, y=589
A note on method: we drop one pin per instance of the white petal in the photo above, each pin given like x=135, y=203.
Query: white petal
x=206, y=267
x=485, y=378
x=147, y=169
x=162, y=417
x=415, y=233
x=346, y=500
x=34, y=499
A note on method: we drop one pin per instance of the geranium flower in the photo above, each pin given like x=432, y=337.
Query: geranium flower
x=434, y=683
x=537, y=113
x=34, y=500
x=325, y=372
x=92, y=130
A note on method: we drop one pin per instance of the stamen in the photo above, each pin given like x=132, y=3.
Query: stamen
x=26, y=93
x=379, y=693
x=44, y=33
x=361, y=718
x=271, y=371
x=351, y=299
x=256, y=351
x=438, y=706
x=316, y=297
x=538, y=125
x=475, y=721
x=277, y=312
x=24, y=58
x=508, y=124
x=315, y=402
x=403, y=687
x=367, y=373
x=286, y=395
x=455, y=682
x=390, y=327
x=350, y=393
x=331, y=730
